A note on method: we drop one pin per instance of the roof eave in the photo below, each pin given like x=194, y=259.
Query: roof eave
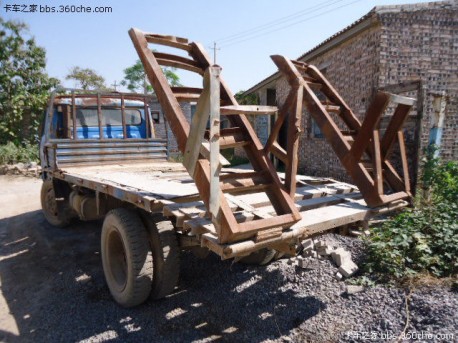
x=365, y=23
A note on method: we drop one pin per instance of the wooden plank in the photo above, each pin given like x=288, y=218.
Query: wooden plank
x=266, y=223
x=205, y=152
x=232, y=137
x=309, y=204
x=248, y=207
x=248, y=110
x=237, y=182
x=179, y=62
x=215, y=167
x=268, y=234
x=294, y=128
x=290, y=100
x=405, y=165
x=403, y=100
x=199, y=226
x=400, y=115
x=372, y=118
x=279, y=153
x=197, y=130
x=377, y=162
x=175, y=42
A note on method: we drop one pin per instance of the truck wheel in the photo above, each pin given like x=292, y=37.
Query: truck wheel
x=126, y=257
x=166, y=255
x=56, y=214
x=260, y=257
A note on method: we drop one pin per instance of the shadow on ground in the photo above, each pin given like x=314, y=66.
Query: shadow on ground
x=53, y=284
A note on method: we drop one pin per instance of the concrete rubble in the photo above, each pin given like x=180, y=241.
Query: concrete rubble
x=25, y=169
x=319, y=249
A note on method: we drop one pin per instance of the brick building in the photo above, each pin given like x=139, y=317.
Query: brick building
x=162, y=130
x=407, y=49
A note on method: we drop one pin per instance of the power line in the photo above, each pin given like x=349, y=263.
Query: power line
x=276, y=22
x=286, y=26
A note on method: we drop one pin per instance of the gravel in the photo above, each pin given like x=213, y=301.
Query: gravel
x=53, y=285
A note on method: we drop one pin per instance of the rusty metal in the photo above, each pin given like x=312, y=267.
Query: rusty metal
x=360, y=147
x=228, y=228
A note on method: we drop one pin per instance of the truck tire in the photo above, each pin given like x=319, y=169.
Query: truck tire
x=56, y=214
x=166, y=255
x=260, y=257
x=126, y=257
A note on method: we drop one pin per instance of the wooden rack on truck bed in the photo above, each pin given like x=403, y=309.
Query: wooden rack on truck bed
x=101, y=159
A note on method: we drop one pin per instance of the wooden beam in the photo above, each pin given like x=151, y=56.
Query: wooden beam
x=198, y=126
x=294, y=129
x=373, y=115
x=248, y=110
x=215, y=167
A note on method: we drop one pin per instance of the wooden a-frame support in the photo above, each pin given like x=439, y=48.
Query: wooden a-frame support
x=361, y=149
x=202, y=159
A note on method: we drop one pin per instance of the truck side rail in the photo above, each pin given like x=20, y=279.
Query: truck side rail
x=68, y=152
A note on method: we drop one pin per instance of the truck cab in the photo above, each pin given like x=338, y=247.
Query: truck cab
x=96, y=128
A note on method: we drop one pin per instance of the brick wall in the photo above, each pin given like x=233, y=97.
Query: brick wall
x=405, y=43
x=421, y=42
x=163, y=130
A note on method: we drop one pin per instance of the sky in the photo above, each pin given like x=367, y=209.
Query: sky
x=246, y=32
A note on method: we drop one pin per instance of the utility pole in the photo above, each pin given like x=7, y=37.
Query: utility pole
x=214, y=52
x=115, y=85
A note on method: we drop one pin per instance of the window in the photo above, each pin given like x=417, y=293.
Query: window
x=110, y=116
x=315, y=129
x=155, y=116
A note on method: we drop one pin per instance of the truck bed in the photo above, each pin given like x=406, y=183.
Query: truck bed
x=166, y=187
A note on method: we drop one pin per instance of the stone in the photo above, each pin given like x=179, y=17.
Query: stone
x=353, y=289
x=340, y=256
x=354, y=232
x=338, y=276
x=307, y=244
x=348, y=268
x=310, y=253
x=324, y=251
x=303, y=263
x=291, y=260
x=320, y=244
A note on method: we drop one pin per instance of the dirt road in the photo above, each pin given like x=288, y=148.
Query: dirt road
x=53, y=289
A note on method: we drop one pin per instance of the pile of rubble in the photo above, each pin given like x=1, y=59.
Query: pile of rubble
x=319, y=249
x=25, y=169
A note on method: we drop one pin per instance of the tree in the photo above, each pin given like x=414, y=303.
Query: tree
x=134, y=78
x=87, y=78
x=250, y=99
x=24, y=84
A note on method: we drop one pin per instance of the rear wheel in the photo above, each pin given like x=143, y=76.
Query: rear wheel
x=166, y=255
x=56, y=211
x=126, y=257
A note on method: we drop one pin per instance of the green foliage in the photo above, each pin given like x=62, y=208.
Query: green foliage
x=10, y=153
x=424, y=239
x=87, y=78
x=24, y=83
x=134, y=78
x=250, y=99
